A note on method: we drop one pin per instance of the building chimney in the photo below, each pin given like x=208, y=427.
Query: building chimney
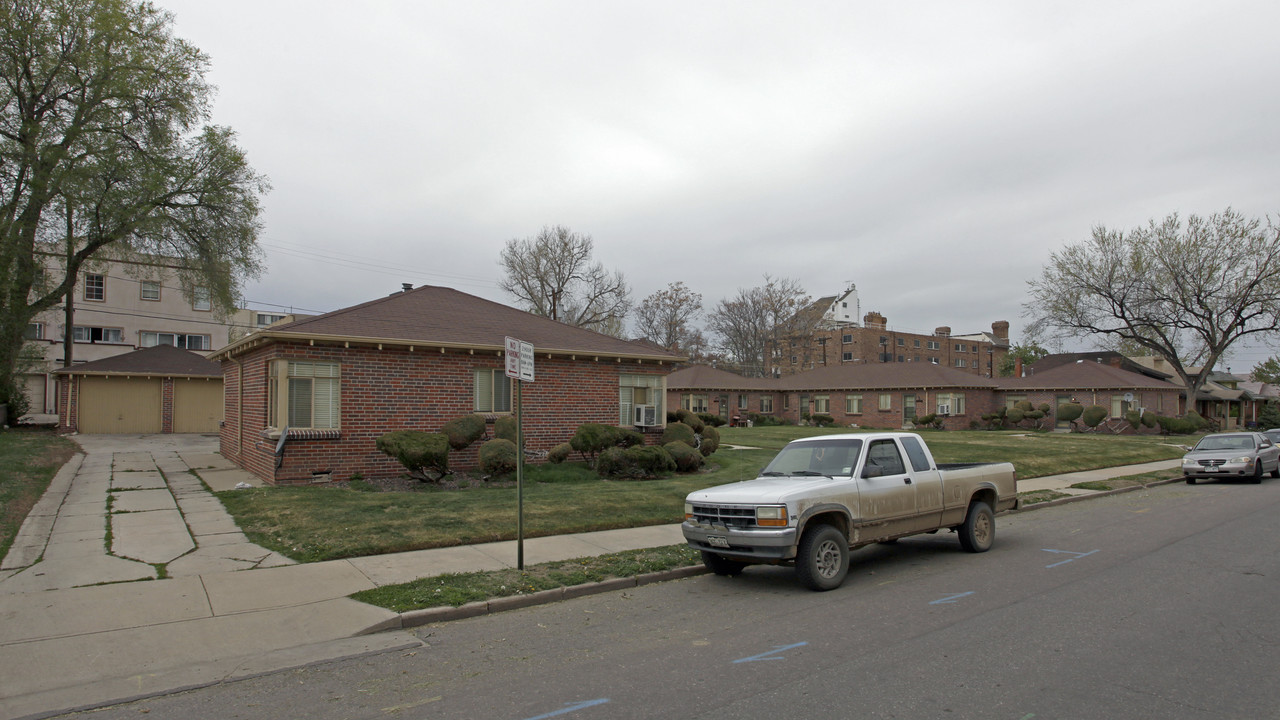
x=1017, y=367
x=942, y=331
x=406, y=287
x=1000, y=329
x=875, y=320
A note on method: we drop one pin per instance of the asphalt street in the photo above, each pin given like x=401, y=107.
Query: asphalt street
x=1160, y=603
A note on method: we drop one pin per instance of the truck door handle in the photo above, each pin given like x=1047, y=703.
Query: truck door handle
x=907, y=481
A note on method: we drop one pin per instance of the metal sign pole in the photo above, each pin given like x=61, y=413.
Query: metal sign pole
x=519, y=475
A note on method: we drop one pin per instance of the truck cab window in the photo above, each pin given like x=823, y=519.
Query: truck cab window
x=919, y=461
x=884, y=453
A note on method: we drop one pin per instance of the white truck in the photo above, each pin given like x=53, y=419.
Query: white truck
x=823, y=496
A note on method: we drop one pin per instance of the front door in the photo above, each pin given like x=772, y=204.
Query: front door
x=1058, y=402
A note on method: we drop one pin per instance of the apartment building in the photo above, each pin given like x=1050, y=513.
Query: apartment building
x=825, y=342
x=121, y=306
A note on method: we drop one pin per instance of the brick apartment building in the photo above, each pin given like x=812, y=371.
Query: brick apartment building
x=825, y=343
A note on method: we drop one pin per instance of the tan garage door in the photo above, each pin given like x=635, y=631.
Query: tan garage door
x=197, y=405
x=119, y=405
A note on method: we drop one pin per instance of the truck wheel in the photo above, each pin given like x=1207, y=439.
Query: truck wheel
x=979, y=529
x=721, y=565
x=822, y=561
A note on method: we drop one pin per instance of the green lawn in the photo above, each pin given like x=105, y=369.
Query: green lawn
x=320, y=523
x=29, y=458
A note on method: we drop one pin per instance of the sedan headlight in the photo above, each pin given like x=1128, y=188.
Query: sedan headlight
x=1186, y=462
x=771, y=515
x=1243, y=460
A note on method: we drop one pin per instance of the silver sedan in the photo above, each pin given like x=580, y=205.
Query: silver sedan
x=1241, y=454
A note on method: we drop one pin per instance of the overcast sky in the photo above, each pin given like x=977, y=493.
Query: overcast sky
x=932, y=153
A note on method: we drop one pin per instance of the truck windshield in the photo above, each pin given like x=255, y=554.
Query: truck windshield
x=816, y=457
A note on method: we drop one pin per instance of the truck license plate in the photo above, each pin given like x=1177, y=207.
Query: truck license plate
x=717, y=541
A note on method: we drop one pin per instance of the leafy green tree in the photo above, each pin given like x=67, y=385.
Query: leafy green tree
x=1184, y=291
x=105, y=152
x=1029, y=352
x=1267, y=371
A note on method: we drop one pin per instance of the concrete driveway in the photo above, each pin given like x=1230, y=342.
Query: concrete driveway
x=76, y=630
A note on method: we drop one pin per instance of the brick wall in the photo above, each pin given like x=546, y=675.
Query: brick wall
x=395, y=389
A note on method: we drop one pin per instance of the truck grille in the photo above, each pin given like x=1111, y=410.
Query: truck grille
x=729, y=516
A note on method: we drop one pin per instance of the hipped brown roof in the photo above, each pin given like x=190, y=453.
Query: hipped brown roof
x=1085, y=376
x=438, y=315
x=161, y=360
x=703, y=377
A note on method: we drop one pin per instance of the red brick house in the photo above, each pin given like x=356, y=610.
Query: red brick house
x=413, y=361
x=888, y=395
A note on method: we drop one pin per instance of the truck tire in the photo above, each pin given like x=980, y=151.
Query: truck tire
x=978, y=531
x=822, y=561
x=721, y=565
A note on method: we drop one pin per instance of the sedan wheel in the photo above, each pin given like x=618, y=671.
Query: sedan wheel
x=1257, y=473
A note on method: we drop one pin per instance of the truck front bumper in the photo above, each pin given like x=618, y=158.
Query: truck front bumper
x=750, y=545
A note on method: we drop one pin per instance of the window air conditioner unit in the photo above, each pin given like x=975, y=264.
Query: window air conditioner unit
x=646, y=415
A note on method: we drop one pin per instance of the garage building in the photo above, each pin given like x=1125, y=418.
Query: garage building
x=159, y=389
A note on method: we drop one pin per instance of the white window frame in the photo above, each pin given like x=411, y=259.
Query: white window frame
x=766, y=403
x=148, y=287
x=852, y=404
x=200, y=300
x=635, y=389
x=822, y=404
x=84, y=334
x=696, y=402
x=149, y=338
x=35, y=331
x=886, y=401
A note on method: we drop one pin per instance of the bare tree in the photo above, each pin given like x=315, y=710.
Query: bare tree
x=1184, y=292
x=754, y=325
x=552, y=274
x=666, y=317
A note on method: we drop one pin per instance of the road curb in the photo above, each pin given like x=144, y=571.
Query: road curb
x=1099, y=493
x=417, y=618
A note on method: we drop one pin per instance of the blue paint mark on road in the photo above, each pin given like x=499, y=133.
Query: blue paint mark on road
x=1078, y=555
x=765, y=656
x=570, y=707
x=951, y=598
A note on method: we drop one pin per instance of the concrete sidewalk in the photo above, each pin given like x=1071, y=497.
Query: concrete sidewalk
x=76, y=633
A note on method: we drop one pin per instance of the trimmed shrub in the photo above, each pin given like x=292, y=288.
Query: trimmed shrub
x=710, y=441
x=560, y=453
x=686, y=458
x=498, y=457
x=627, y=437
x=1070, y=412
x=673, y=416
x=421, y=453
x=680, y=432
x=464, y=430
x=1148, y=420
x=506, y=428
x=925, y=421
x=1093, y=416
x=593, y=438
x=1015, y=414
x=635, y=462
x=1134, y=419
x=690, y=419
x=822, y=420
x=711, y=419
x=1198, y=422
x=759, y=420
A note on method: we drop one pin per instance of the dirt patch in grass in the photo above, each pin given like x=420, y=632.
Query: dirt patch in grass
x=1039, y=496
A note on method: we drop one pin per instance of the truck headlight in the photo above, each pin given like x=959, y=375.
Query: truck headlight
x=771, y=515
x=688, y=511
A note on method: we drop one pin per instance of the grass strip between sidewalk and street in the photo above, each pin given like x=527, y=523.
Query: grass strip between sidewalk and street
x=455, y=589
x=1116, y=483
